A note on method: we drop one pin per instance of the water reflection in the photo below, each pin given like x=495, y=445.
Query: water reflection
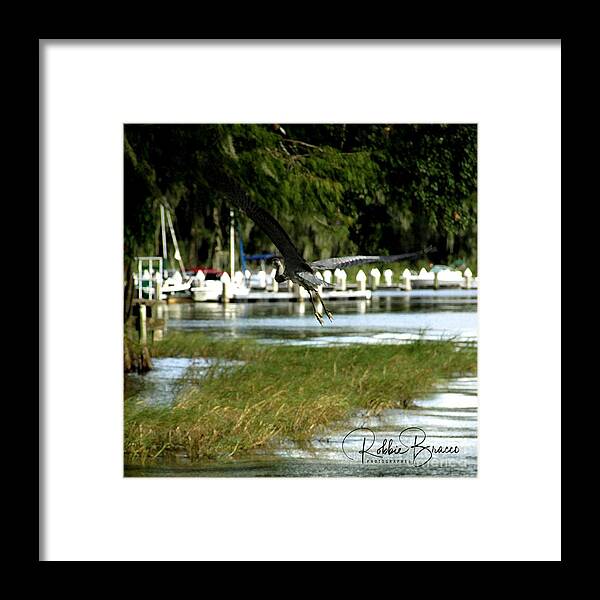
x=389, y=319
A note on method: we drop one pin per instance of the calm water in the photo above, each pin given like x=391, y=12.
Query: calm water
x=447, y=314
x=445, y=420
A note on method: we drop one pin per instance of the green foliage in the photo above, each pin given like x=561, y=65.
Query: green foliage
x=337, y=189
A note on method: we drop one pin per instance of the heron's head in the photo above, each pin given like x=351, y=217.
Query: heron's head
x=277, y=262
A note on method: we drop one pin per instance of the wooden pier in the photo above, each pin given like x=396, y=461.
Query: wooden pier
x=149, y=316
x=243, y=287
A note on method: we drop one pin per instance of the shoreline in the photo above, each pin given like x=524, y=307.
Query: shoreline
x=280, y=393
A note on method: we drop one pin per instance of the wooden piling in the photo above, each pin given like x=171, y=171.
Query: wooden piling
x=388, y=276
x=340, y=279
x=374, y=278
x=361, y=279
x=143, y=324
x=468, y=278
x=226, y=292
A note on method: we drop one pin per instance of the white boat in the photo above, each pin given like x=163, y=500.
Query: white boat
x=209, y=290
x=240, y=291
x=176, y=283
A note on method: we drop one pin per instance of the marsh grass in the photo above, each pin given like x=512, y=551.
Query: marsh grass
x=281, y=392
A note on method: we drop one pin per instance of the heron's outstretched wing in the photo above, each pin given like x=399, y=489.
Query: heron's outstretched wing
x=342, y=262
x=267, y=222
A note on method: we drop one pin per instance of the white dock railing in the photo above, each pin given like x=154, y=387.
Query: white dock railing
x=260, y=285
x=148, y=280
x=406, y=280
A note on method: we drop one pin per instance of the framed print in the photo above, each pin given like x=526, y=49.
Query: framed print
x=290, y=286
x=242, y=241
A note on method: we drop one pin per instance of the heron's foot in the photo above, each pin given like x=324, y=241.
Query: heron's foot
x=329, y=315
x=319, y=318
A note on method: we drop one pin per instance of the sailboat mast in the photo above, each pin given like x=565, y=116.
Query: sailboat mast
x=177, y=254
x=231, y=243
x=163, y=231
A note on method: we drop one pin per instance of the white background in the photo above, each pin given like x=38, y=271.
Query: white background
x=510, y=511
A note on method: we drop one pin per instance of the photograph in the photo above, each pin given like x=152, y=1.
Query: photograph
x=300, y=300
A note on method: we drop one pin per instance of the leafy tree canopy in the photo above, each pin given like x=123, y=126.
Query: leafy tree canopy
x=336, y=189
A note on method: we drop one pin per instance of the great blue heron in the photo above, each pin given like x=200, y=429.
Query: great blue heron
x=291, y=265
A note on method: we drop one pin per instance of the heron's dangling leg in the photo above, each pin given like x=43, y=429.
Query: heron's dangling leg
x=318, y=315
x=327, y=312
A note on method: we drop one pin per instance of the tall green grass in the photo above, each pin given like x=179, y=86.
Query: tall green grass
x=288, y=392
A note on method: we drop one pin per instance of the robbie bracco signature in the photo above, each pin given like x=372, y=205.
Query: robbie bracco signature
x=361, y=445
